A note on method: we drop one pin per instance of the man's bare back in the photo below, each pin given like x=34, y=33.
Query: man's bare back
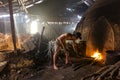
x=61, y=42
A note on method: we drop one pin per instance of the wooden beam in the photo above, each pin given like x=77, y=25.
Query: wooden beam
x=12, y=25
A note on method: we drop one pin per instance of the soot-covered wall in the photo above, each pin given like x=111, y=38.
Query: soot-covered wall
x=100, y=26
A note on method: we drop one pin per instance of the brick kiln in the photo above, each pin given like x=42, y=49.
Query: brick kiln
x=100, y=27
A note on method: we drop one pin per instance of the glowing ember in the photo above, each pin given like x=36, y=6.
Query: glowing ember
x=97, y=56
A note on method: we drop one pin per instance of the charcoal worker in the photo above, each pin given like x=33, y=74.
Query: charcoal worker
x=61, y=43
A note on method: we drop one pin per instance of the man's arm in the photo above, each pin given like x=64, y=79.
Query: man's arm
x=63, y=44
x=74, y=46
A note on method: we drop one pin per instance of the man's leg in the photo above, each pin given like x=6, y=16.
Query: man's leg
x=54, y=57
x=67, y=56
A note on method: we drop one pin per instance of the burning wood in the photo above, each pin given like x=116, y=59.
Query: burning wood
x=97, y=55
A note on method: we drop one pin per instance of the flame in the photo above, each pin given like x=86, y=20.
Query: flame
x=97, y=55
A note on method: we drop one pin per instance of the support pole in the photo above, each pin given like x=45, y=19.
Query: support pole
x=40, y=39
x=12, y=25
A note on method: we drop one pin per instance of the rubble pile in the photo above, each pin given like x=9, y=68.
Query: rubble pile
x=25, y=62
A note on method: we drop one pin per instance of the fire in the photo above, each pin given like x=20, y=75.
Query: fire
x=97, y=55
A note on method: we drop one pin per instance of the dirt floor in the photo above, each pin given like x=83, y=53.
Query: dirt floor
x=64, y=73
x=19, y=68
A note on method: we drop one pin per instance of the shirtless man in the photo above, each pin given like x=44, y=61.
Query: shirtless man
x=61, y=42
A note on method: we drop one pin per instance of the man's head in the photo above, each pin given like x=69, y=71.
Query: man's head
x=77, y=35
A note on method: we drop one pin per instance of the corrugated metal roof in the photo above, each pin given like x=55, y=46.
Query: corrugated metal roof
x=18, y=4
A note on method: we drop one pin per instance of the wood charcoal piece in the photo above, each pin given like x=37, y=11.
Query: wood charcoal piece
x=114, y=72
x=96, y=73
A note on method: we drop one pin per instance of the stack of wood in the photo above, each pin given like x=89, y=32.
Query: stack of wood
x=6, y=42
x=109, y=72
x=2, y=41
x=9, y=42
x=24, y=42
